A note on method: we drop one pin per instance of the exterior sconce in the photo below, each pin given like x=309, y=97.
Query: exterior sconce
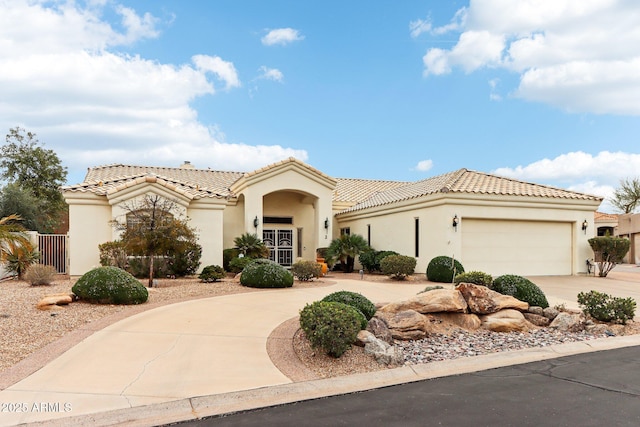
x=454, y=223
x=326, y=224
x=585, y=224
x=256, y=222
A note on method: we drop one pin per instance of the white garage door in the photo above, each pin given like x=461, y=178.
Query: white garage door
x=526, y=248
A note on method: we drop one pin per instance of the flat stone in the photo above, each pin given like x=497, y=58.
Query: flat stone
x=537, y=319
x=435, y=301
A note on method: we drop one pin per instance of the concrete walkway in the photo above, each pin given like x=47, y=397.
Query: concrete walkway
x=152, y=367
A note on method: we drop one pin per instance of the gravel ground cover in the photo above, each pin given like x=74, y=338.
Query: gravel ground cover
x=25, y=329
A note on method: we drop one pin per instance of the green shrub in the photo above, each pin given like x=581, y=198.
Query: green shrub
x=237, y=264
x=475, y=277
x=211, y=273
x=113, y=253
x=443, y=269
x=38, y=274
x=520, y=288
x=606, y=308
x=331, y=326
x=110, y=285
x=430, y=288
x=355, y=300
x=227, y=255
x=608, y=252
x=264, y=273
x=398, y=266
x=186, y=261
x=371, y=259
x=306, y=270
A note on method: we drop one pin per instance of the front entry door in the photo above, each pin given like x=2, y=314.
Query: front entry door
x=280, y=244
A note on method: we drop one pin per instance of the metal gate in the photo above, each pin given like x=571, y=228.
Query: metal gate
x=280, y=244
x=53, y=251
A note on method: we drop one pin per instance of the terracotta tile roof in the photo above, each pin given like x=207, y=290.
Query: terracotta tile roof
x=605, y=217
x=466, y=181
x=356, y=190
x=284, y=162
x=194, y=183
x=363, y=193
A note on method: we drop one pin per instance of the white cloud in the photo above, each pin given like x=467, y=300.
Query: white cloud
x=94, y=105
x=419, y=26
x=281, y=36
x=221, y=68
x=579, y=55
x=274, y=74
x=424, y=165
x=596, y=174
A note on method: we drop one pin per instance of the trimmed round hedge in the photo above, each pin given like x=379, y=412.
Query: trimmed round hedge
x=264, y=273
x=440, y=269
x=520, y=288
x=355, y=300
x=110, y=285
x=332, y=326
x=475, y=277
x=211, y=273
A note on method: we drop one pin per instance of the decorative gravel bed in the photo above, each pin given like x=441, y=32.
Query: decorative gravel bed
x=467, y=344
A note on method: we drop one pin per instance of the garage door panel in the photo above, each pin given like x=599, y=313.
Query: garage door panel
x=517, y=247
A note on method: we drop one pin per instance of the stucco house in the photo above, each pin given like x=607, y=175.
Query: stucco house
x=489, y=223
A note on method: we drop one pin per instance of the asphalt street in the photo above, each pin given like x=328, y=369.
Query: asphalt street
x=592, y=389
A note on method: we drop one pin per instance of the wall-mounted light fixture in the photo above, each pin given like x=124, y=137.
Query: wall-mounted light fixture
x=585, y=224
x=256, y=222
x=454, y=222
x=326, y=224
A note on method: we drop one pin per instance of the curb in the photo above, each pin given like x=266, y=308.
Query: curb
x=196, y=408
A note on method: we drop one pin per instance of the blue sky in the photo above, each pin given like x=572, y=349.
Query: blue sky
x=544, y=91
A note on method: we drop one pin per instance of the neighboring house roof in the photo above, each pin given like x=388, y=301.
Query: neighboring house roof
x=470, y=182
x=605, y=217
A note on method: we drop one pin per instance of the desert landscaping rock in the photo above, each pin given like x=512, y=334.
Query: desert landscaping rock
x=482, y=300
x=550, y=313
x=50, y=301
x=507, y=320
x=537, y=319
x=569, y=322
x=435, y=301
x=380, y=329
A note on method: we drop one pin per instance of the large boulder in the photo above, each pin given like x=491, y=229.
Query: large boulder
x=435, y=301
x=507, y=320
x=380, y=329
x=482, y=300
x=405, y=325
x=537, y=319
x=469, y=322
x=569, y=322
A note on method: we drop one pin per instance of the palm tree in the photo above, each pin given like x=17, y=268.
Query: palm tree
x=345, y=248
x=12, y=238
x=251, y=246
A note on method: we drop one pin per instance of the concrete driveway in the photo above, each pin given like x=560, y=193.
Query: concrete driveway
x=217, y=346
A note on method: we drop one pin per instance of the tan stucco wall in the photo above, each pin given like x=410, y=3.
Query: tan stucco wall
x=393, y=229
x=89, y=226
x=629, y=226
x=206, y=216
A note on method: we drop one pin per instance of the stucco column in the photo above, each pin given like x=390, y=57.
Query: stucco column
x=253, y=207
x=323, y=212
